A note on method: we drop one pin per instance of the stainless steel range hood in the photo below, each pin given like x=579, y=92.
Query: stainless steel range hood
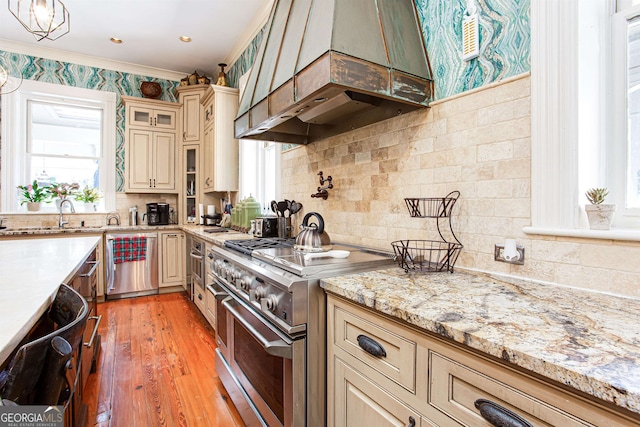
x=329, y=66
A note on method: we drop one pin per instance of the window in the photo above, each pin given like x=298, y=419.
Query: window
x=58, y=134
x=626, y=110
x=584, y=74
x=259, y=171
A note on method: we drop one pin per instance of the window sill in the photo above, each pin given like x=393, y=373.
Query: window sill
x=631, y=235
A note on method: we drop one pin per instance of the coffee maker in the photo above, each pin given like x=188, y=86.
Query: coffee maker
x=157, y=213
x=153, y=214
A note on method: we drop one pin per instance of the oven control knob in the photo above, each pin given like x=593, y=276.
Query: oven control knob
x=271, y=302
x=228, y=273
x=259, y=293
x=245, y=283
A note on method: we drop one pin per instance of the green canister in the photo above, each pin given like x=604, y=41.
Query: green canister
x=252, y=210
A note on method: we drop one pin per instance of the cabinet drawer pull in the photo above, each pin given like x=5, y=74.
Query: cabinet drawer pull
x=412, y=422
x=95, y=330
x=498, y=415
x=371, y=346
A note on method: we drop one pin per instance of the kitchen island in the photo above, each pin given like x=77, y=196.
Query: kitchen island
x=32, y=271
x=581, y=340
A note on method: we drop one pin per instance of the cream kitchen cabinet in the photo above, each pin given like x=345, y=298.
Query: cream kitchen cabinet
x=220, y=148
x=148, y=116
x=191, y=118
x=151, y=159
x=150, y=145
x=191, y=142
x=172, y=253
x=383, y=372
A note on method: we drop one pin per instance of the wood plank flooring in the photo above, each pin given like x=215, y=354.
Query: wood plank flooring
x=156, y=367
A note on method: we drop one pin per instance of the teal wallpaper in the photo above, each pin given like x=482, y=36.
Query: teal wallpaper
x=244, y=62
x=63, y=73
x=504, y=44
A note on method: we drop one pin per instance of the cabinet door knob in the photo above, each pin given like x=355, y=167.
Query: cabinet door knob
x=412, y=422
x=498, y=415
x=371, y=346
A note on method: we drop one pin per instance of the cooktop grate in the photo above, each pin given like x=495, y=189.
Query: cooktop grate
x=248, y=246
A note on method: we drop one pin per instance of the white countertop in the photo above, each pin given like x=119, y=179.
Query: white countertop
x=32, y=270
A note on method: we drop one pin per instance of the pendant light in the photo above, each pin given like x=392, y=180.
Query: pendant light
x=7, y=84
x=45, y=19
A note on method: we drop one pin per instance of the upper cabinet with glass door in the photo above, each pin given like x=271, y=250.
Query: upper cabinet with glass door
x=151, y=117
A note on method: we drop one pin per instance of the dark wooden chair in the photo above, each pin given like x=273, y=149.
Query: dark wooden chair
x=40, y=368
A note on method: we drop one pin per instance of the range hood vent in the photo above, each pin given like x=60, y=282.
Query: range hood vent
x=329, y=66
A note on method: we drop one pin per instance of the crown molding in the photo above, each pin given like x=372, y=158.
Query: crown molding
x=254, y=27
x=92, y=61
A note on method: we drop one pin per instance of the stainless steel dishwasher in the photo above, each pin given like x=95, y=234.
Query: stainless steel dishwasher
x=132, y=264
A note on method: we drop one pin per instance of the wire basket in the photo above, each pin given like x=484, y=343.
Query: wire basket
x=426, y=256
x=432, y=207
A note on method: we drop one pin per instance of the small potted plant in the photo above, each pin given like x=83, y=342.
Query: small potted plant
x=89, y=196
x=59, y=192
x=33, y=195
x=598, y=213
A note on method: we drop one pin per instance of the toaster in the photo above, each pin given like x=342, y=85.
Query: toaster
x=266, y=226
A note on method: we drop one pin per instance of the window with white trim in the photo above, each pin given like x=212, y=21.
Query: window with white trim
x=625, y=117
x=58, y=134
x=583, y=76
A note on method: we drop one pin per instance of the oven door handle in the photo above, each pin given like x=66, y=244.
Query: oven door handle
x=277, y=348
x=219, y=295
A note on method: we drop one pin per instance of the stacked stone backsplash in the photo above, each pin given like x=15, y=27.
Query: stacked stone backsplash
x=123, y=202
x=479, y=143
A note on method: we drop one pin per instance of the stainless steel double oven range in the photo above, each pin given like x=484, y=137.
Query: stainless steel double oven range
x=271, y=326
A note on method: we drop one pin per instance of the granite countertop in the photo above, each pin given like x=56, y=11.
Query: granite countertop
x=36, y=231
x=32, y=271
x=589, y=341
x=196, y=230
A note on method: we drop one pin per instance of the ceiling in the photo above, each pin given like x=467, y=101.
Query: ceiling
x=150, y=30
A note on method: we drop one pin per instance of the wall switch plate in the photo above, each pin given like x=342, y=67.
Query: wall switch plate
x=498, y=255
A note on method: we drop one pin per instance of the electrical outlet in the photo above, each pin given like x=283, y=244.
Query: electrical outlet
x=498, y=255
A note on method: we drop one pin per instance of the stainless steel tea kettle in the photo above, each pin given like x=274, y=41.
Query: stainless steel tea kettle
x=312, y=237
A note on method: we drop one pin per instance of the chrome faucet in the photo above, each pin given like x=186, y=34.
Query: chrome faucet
x=113, y=215
x=61, y=223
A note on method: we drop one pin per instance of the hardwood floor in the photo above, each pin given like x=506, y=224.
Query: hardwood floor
x=156, y=367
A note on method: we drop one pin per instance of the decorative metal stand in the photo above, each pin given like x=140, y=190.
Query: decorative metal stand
x=428, y=256
x=322, y=191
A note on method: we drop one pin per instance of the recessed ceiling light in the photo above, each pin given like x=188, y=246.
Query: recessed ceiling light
x=185, y=39
x=115, y=40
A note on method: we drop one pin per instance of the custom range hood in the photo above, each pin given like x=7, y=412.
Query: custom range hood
x=329, y=66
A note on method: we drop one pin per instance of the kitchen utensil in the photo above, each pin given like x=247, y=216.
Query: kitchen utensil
x=295, y=207
x=274, y=207
x=282, y=207
x=312, y=238
x=334, y=253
